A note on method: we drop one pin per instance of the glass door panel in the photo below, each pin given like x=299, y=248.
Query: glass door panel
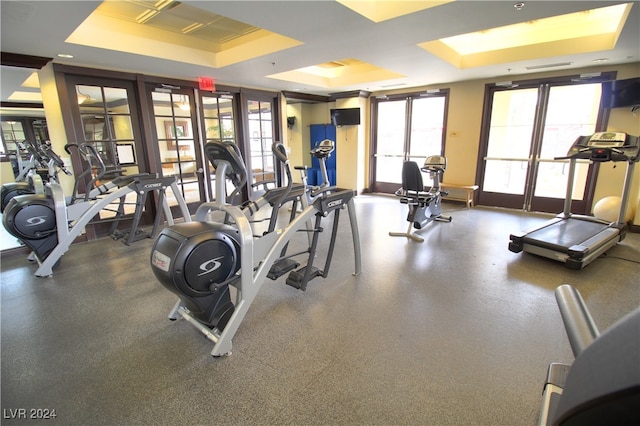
x=179, y=151
x=12, y=133
x=390, y=149
x=108, y=126
x=426, y=131
x=427, y=125
x=263, y=172
x=510, y=136
x=219, y=127
x=572, y=111
x=505, y=176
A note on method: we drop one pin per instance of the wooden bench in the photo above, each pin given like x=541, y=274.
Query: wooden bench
x=459, y=192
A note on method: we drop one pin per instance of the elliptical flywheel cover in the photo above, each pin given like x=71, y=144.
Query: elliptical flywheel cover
x=212, y=261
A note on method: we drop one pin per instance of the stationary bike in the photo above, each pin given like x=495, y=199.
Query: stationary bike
x=322, y=151
x=199, y=261
x=424, y=206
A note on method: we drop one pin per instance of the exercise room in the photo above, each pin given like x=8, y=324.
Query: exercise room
x=320, y=212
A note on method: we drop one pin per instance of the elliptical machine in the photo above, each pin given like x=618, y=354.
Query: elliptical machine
x=424, y=206
x=43, y=162
x=199, y=261
x=49, y=223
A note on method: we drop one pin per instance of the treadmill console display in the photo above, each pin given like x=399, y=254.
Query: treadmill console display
x=606, y=146
x=607, y=140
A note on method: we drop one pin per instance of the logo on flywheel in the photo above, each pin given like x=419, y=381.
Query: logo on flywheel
x=36, y=220
x=210, y=266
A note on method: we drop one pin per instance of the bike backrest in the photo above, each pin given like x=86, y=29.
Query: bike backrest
x=411, y=177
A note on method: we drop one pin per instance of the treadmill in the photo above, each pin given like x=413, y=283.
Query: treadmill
x=577, y=240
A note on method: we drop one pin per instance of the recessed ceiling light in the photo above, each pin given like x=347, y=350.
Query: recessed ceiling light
x=65, y=55
x=518, y=6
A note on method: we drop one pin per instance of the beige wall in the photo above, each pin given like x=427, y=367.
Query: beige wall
x=611, y=175
x=6, y=172
x=55, y=126
x=351, y=147
x=465, y=119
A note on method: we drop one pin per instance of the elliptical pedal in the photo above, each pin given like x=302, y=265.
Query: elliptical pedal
x=128, y=238
x=298, y=279
x=281, y=267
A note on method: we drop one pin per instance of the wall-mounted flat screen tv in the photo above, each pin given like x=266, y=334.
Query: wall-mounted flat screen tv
x=621, y=93
x=345, y=116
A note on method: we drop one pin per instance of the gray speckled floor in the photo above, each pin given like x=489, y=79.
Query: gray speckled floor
x=454, y=331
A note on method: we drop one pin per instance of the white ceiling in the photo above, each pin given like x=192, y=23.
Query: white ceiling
x=328, y=31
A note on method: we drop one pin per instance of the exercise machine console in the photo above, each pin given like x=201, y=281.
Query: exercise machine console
x=577, y=240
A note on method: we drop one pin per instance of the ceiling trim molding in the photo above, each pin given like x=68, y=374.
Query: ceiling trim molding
x=308, y=97
x=23, y=61
x=352, y=94
x=20, y=105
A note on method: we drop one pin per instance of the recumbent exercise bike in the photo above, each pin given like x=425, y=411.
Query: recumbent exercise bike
x=424, y=206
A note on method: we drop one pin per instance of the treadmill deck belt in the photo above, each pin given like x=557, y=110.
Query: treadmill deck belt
x=564, y=234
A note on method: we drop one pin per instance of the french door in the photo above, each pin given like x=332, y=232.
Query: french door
x=406, y=128
x=528, y=126
x=105, y=117
x=219, y=126
x=178, y=143
x=260, y=134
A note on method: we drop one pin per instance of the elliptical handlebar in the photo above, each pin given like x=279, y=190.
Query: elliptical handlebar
x=226, y=158
x=87, y=151
x=280, y=153
x=48, y=151
x=102, y=168
x=69, y=145
x=36, y=154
